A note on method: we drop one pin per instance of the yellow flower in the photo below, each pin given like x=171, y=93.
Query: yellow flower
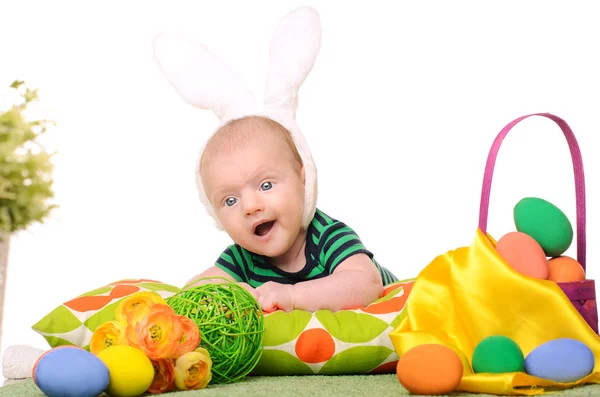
x=192, y=370
x=137, y=313
x=138, y=300
x=108, y=334
x=157, y=333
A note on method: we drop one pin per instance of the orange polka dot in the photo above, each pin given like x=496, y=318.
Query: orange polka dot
x=392, y=288
x=88, y=303
x=390, y=305
x=407, y=286
x=387, y=368
x=315, y=346
x=123, y=290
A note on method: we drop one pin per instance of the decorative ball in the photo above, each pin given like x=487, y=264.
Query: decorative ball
x=70, y=371
x=546, y=223
x=231, y=326
x=430, y=369
x=131, y=371
x=498, y=354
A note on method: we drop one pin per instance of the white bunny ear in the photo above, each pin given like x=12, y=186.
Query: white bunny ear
x=294, y=48
x=201, y=78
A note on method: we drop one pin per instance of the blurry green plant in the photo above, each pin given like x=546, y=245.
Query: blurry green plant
x=25, y=166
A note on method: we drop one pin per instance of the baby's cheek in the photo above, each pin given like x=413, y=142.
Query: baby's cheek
x=231, y=226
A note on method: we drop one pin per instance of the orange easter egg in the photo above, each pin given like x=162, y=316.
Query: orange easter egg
x=429, y=369
x=523, y=254
x=564, y=269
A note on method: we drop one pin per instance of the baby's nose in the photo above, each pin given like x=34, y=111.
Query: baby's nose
x=252, y=204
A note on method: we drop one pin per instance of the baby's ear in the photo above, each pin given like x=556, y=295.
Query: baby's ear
x=201, y=78
x=294, y=48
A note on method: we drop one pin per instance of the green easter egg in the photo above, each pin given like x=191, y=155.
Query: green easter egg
x=498, y=354
x=546, y=223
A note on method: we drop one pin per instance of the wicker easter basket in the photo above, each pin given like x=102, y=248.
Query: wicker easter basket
x=583, y=293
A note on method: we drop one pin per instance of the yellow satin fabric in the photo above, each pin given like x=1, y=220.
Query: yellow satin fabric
x=470, y=293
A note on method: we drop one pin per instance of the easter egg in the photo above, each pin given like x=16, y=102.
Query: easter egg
x=560, y=360
x=546, y=223
x=70, y=371
x=564, y=269
x=523, y=254
x=429, y=369
x=498, y=354
x=131, y=371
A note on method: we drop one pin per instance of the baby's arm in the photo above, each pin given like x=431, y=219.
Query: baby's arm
x=355, y=282
x=214, y=271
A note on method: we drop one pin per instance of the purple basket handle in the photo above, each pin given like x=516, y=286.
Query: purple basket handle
x=577, y=168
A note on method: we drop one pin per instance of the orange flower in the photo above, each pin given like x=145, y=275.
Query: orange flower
x=157, y=333
x=192, y=370
x=190, y=337
x=137, y=300
x=164, y=376
x=108, y=334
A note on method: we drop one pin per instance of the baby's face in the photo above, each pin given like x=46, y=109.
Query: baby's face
x=257, y=192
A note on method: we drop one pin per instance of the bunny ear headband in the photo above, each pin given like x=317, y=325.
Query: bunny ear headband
x=205, y=82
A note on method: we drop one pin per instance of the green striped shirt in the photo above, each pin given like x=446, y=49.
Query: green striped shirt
x=328, y=243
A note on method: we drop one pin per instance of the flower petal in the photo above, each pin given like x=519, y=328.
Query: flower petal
x=164, y=376
x=193, y=370
x=190, y=336
x=129, y=303
x=108, y=334
x=157, y=334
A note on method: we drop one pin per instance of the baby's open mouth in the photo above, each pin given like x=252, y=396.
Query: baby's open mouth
x=264, y=228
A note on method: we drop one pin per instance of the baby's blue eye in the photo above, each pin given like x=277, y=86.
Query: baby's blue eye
x=230, y=201
x=266, y=186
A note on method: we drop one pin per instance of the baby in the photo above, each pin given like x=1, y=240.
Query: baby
x=254, y=179
x=257, y=179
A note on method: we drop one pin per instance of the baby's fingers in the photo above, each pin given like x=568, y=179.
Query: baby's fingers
x=267, y=305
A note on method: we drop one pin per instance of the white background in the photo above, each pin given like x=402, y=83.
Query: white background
x=400, y=110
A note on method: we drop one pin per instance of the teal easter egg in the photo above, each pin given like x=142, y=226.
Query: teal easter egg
x=560, y=360
x=498, y=354
x=546, y=223
x=70, y=371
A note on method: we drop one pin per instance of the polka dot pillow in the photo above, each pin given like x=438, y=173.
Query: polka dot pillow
x=73, y=322
x=334, y=343
x=296, y=343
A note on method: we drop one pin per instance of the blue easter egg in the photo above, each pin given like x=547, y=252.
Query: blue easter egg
x=560, y=360
x=70, y=372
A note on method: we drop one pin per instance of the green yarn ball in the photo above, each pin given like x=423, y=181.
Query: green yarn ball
x=498, y=354
x=231, y=326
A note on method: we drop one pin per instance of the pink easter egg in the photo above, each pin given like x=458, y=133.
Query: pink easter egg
x=523, y=254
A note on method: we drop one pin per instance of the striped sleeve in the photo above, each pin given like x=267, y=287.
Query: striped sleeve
x=339, y=242
x=387, y=277
x=234, y=263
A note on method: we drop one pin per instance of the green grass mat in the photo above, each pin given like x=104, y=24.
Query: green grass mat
x=300, y=386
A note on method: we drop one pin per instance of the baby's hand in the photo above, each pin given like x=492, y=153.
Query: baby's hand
x=273, y=296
